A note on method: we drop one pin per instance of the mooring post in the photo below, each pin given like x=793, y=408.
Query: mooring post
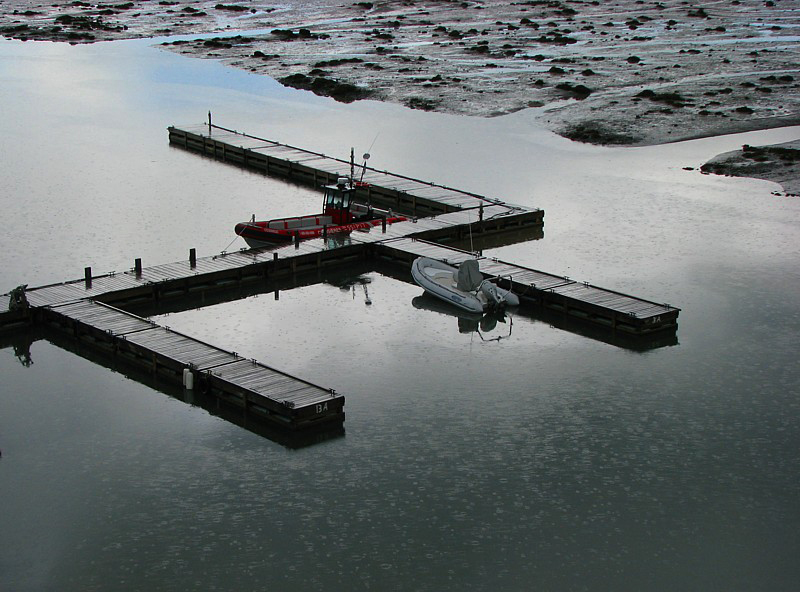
x=137, y=266
x=325, y=231
x=480, y=212
x=192, y=257
x=87, y=274
x=277, y=295
x=383, y=224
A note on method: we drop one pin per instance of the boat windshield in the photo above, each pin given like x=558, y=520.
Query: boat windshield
x=337, y=198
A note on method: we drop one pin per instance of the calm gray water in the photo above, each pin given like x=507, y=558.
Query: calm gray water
x=545, y=461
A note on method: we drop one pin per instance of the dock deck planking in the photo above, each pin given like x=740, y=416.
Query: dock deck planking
x=164, y=273
x=223, y=140
x=272, y=383
x=292, y=399
x=536, y=279
x=421, y=248
x=400, y=238
x=431, y=225
x=103, y=317
x=399, y=230
x=575, y=293
x=615, y=301
x=397, y=236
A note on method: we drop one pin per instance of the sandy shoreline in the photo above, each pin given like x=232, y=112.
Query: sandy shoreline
x=634, y=72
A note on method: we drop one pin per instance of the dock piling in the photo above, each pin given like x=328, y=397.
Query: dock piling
x=193, y=258
x=137, y=267
x=87, y=274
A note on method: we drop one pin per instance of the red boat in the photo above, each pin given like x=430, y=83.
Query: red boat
x=340, y=214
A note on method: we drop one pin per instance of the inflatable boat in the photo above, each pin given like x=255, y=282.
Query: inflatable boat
x=462, y=286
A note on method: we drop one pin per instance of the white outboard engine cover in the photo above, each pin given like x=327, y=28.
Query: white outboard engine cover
x=491, y=292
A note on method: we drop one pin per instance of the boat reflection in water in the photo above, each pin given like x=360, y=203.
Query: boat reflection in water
x=468, y=322
x=350, y=283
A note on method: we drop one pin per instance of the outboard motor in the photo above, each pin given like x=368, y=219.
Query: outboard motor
x=491, y=293
x=498, y=295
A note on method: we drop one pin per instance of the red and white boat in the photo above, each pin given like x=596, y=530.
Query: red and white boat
x=340, y=214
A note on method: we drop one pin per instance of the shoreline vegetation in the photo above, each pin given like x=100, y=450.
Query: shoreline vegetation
x=627, y=73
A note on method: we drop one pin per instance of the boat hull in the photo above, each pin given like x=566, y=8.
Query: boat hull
x=259, y=232
x=431, y=276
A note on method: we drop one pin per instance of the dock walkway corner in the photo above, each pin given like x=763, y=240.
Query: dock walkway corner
x=271, y=394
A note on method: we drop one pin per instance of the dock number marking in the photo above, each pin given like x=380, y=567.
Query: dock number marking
x=322, y=407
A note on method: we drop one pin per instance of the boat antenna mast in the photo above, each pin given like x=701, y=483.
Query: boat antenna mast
x=364, y=167
x=366, y=157
x=352, y=166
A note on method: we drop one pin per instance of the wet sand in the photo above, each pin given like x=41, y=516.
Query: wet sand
x=633, y=72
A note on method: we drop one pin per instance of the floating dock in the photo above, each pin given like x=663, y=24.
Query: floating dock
x=96, y=311
x=382, y=188
x=542, y=290
x=175, y=281
x=275, y=396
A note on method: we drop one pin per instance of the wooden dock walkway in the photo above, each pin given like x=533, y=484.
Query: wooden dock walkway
x=391, y=190
x=272, y=395
x=178, y=280
x=554, y=292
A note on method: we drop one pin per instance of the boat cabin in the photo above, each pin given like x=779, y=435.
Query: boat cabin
x=337, y=202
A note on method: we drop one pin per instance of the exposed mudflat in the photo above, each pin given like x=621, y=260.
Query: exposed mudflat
x=631, y=72
x=779, y=163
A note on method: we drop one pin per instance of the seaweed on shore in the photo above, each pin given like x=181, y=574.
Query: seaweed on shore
x=594, y=132
x=327, y=87
x=753, y=159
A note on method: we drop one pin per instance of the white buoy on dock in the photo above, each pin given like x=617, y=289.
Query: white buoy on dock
x=188, y=379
